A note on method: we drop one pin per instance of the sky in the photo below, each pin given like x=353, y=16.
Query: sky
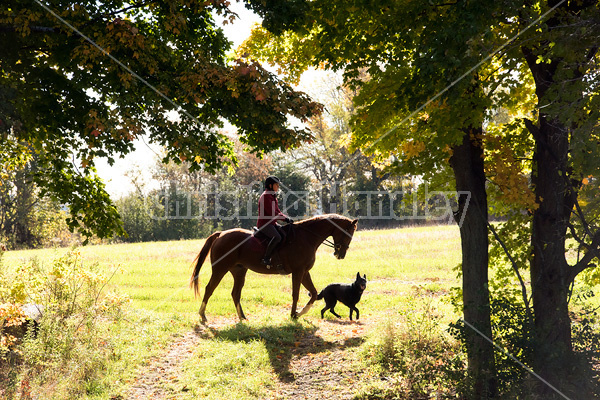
x=145, y=155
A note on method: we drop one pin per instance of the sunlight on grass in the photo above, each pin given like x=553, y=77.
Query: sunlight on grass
x=221, y=369
x=410, y=274
x=242, y=361
x=245, y=361
x=156, y=275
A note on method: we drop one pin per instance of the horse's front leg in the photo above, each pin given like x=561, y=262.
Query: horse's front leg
x=297, y=277
x=308, y=284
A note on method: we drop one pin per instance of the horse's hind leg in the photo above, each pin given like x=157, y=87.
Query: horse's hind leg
x=215, y=279
x=239, y=278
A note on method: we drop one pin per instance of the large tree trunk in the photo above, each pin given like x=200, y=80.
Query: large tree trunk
x=472, y=217
x=550, y=273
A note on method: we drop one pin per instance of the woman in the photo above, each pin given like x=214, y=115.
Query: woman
x=268, y=215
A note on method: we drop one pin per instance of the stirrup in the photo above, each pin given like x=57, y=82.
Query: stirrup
x=266, y=262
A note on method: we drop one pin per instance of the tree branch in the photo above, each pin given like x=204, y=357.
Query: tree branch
x=592, y=250
x=33, y=28
x=515, y=268
x=532, y=128
x=116, y=12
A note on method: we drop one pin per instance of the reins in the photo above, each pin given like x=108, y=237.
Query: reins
x=326, y=242
x=329, y=243
x=334, y=246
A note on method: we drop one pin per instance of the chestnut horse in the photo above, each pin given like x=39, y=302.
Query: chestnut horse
x=235, y=251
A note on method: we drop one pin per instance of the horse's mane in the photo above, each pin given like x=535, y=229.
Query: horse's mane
x=324, y=217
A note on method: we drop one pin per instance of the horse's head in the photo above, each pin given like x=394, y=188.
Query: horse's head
x=342, y=237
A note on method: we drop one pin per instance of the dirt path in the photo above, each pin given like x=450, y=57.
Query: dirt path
x=319, y=366
x=321, y=376
x=325, y=370
x=155, y=380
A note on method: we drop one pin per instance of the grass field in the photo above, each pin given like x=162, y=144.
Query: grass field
x=410, y=271
x=156, y=275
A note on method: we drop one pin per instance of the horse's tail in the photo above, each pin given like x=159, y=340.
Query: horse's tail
x=200, y=260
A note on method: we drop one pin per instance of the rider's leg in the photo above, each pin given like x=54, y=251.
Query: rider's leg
x=272, y=232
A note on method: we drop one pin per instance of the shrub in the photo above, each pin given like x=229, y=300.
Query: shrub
x=66, y=354
x=415, y=355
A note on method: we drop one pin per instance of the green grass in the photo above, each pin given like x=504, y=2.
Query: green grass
x=156, y=275
x=241, y=361
x=408, y=270
x=404, y=313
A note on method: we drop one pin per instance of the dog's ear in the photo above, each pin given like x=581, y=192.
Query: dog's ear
x=357, y=275
x=365, y=276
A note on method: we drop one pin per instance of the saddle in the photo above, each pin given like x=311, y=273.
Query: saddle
x=288, y=234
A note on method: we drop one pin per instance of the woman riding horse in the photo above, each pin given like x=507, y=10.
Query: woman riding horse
x=234, y=251
x=268, y=215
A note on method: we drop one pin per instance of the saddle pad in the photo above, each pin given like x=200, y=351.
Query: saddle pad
x=256, y=245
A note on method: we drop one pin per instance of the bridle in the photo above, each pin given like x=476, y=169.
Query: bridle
x=336, y=246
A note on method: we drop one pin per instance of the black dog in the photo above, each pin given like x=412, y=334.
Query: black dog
x=346, y=294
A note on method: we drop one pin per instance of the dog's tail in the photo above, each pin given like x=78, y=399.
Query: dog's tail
x=320, y=295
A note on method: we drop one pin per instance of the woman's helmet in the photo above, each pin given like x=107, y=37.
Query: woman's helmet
x=270, y=181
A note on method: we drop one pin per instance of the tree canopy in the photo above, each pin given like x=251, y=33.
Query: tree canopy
x=81, y=80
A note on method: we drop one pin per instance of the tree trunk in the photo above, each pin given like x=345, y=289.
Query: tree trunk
x=553, y=357
x=550, y=272
x=472, y=217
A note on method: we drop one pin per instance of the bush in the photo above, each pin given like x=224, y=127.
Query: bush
x=416, y=357
x=68, y=351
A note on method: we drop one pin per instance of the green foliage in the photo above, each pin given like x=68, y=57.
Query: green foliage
x=400, y=55
x=437, y=71
x=152, y=217
x=413, y=352
x=135, y=214
x=513, y=330
x=67, y=103
x=279, y=16
x=30, y=218
x=291, y=53
x=514, y=234
x=296, y=184
x=71, y=346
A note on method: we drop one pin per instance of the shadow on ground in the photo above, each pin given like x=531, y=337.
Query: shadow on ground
x=283, y=342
